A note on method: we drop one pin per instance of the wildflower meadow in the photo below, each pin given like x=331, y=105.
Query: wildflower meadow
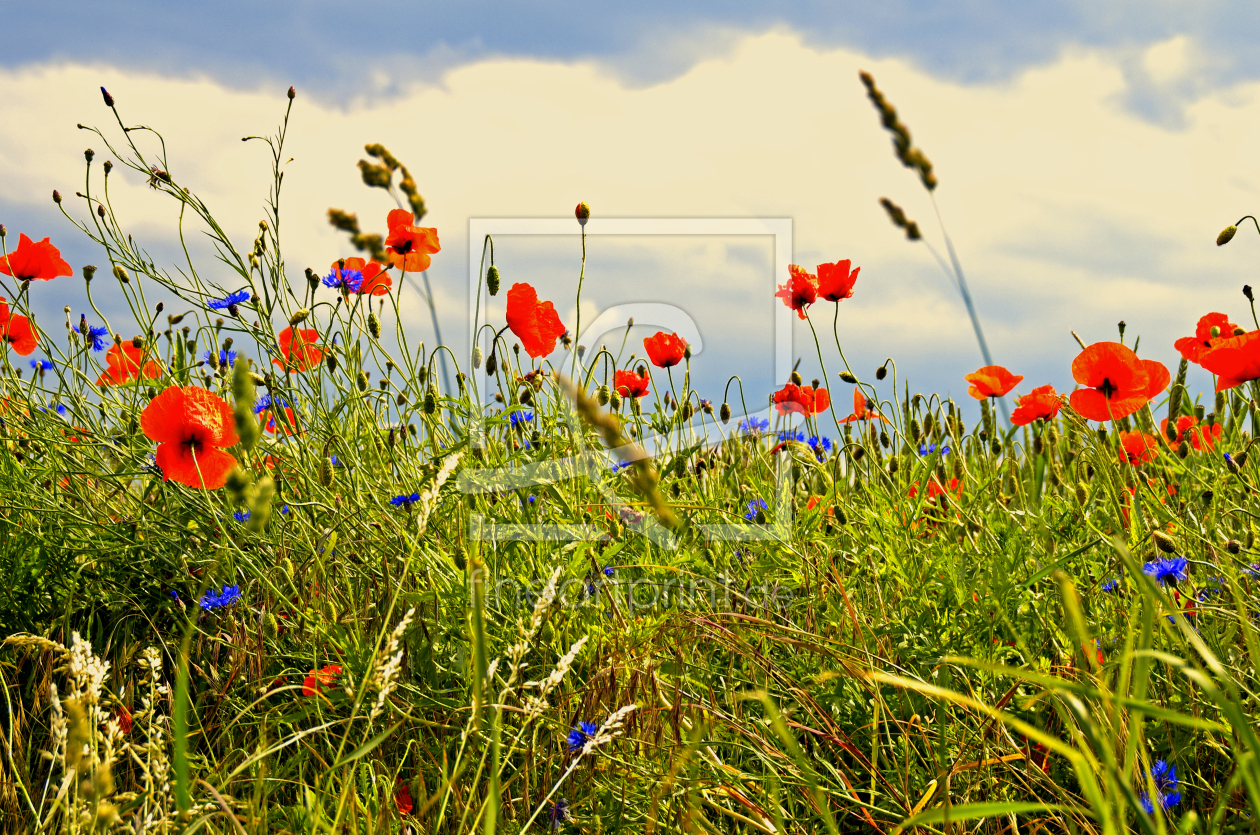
x=275, y=566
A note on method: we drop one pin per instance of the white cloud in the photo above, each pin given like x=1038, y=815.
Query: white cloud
x=1068, y=212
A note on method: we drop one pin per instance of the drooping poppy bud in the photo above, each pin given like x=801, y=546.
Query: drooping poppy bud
x=374, y=325
x=1163, y=541
x=603, y=395
x=1227, y=235
x=326, y=474
x=725, y=413
x=361, y=382
x=430, y=401
x=848, y=378
x=492, y=280
x=476, y=356
x=492, y=364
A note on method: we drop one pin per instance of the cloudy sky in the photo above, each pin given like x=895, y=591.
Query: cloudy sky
x=1087, y=154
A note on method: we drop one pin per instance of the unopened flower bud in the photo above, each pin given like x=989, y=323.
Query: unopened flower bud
x=837, y=514
x=1082, y=492
x=326, y=473
x=795, y=377
x=614, y=399
x=1247, y=293
x=583, y=213
x=57, y=197
x=3, y=231
x=1233, y=546
x=121, y=274
x=476, y=356
x=1183, y=450
x=1227, y=235
x=492, y=280
x=292, y=93
x=374, y=325
x=109, y=100
x=361, y=381
x=299, y=316
x=430, y=401
x=881, y=372
x=1163, y=542
x=492, y=364
x=330, y=361
x=848, y=378
x=602, y=396
x=725, y=413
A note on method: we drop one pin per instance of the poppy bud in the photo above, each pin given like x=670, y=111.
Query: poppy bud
x=121, y=274
x=893, y=466
x=725, y=413
x=1233, y=546
x=422, y=374
x=1121, y=326
x=109, y=100
x=326, y=474
x=361, y=381
x=1227, y=235
x=614, y=399
x=311, y=278
x=602, y=396
x=374, y=324
x=492, y=280
x=430, y=401
x=848, y=378
x=527, y=396
x=761, y=517
x=330, y=360
x=996, y=447
x=838, y=515
x=1241, y=459
x=88, y=272
x=476, y=356
x=1163, y=541
x=492, y=364
x=857, y=453
x=881, y=372
x=299, y=316
x=1247, y=293
x=583, y=213
x=292, y=93
x=57, y=197
x=1038, y=445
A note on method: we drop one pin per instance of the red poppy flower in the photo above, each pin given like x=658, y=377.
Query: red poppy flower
x=318, y=680
x=38, y=261
x=1198, y=437
x=1042, y=402
x=800, y=292
x=665, y=349
x=535, y=323
x=1234, y=361
x=402, y=797
x=1212, y=329
x=953, y=487
x=191, y=427
x=267, y=419
x=124, y=719
x=1157, y=377
x=630, y=384
x=1138, y=447
x=17, y=331
x=376, y=280
x=1114, y=382
x=801, y=400
x=409, y=246
x=835, y=282
x=991, y=381
x=124, y=363
x=298, y=348
x=862, y=409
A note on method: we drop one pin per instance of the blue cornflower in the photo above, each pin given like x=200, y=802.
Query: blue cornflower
x=1218, y=586
x=753, y=426
x=223, y=304
x=621, y=465
x=97, y=335
x=791, y=435
x=1252, y=570
x=44, y=364
x=1166, y=571
x=405, y=500
x=262, y=404
x=518, y=418
x=820, y=445
x=608, y=570
x=229, y=596
x=241, y=515
x=1166, y=787
x=348, y=280
x=226, y=358
x=928, y=449
x=174, y=594
x=526, y=502
x=560, y=813
x=1111, y=585
x=581, y=732
x=754, y=506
